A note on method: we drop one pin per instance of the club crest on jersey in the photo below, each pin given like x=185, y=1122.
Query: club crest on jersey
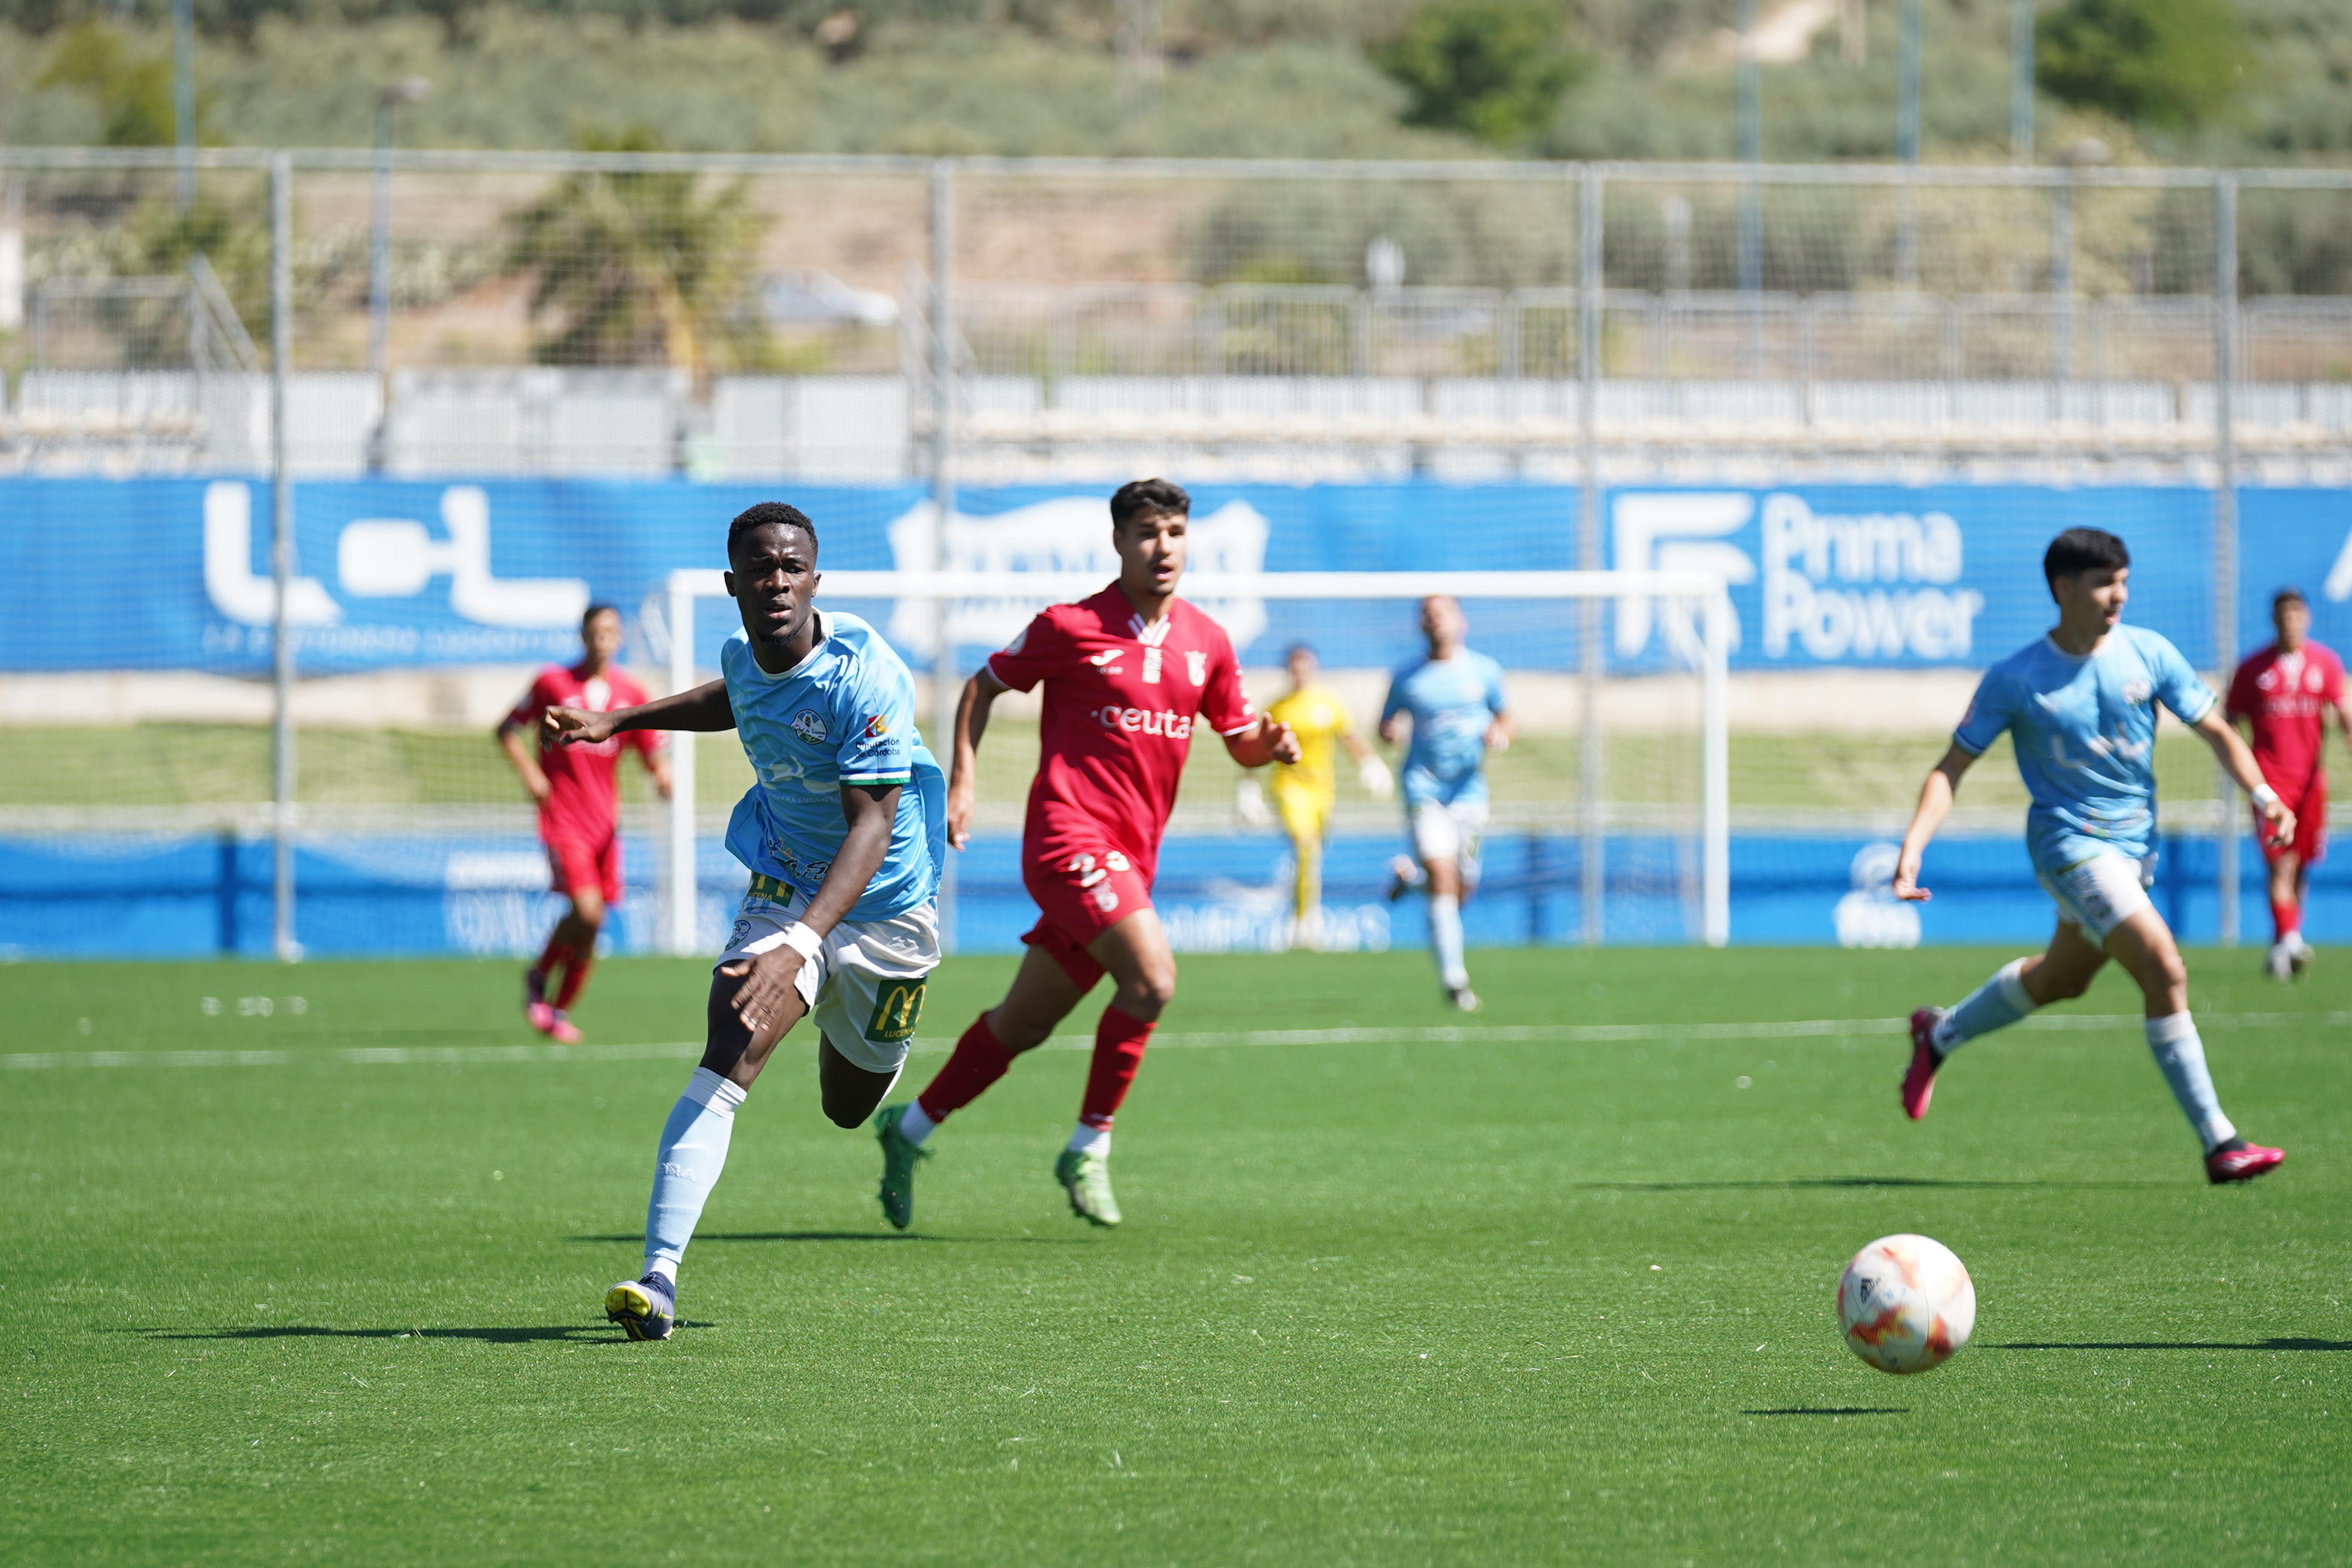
x=809, y=725
x=1196, y=667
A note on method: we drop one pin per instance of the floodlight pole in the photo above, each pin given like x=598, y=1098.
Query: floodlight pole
x=945, y=689
x=2225, y=522
x=1751, y=152
x=281, y=561
x=684, y=891
x=2021, y=81
x=1906, y=143
x=1592, y=875
x=183, y=97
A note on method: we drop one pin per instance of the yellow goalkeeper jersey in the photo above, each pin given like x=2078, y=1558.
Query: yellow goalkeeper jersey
x=1318, y=719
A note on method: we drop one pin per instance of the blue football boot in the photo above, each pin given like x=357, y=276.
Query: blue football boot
x=647, y=1308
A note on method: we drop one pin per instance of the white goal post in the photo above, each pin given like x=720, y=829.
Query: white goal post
x=1714, y=625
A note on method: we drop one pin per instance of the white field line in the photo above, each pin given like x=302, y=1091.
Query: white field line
x=1453, y=1034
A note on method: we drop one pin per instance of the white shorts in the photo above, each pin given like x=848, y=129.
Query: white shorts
x=2100, y=893
x=1450, y=830
x=865, y=987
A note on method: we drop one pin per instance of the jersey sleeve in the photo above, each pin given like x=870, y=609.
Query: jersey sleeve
x=1988, y=714
x=2244, y=697
x=876, y=715
x=1042, y=649
x=535, y=703
x=2332, y=691
x=1224, y=703
x=2177, y=685
x=1498, y=702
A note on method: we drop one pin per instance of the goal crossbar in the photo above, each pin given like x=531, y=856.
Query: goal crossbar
x=1715, y=626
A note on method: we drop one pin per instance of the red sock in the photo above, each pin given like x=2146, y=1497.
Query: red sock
x=555, y=955
x=1119, y=1040
x=2285, y=918
x=977, y=1062
x=575, y=976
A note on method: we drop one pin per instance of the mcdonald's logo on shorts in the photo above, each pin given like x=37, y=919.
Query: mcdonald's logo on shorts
x=896, y=1010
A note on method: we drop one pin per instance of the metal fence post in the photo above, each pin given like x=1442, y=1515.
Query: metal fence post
x=1592, y=868
x=944, y=686
x=281, y=561
x=2225, y=520
x=681, y=865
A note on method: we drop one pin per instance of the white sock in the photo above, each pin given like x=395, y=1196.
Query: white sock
x=692, y=1154
x=1997, y=1003
x=666, y=1267
x=914, y=1126
x=2180, y=1057
x=1445, y=939
x=1089, y=1140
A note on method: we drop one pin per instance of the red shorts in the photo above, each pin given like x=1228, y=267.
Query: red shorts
x=1080, y=894
x=579, y=863
x=2310, y=824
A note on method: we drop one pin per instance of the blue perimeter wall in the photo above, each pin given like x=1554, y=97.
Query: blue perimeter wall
x=93, y=896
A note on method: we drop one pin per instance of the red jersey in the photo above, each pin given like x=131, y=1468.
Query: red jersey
x=1119, y=700
x=583, y=801
x=2287, y=696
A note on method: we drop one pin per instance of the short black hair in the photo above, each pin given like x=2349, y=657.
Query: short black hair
x=1145, y=498
x=2290, y=594
x=767, y=514
x=598, y=608
x=2080, y=549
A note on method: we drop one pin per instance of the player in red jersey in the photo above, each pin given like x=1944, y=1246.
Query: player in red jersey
x=2284, y=693
x=579, y=808
x=1125, y=674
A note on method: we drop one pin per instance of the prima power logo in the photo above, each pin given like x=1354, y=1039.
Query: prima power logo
x=1836, y=588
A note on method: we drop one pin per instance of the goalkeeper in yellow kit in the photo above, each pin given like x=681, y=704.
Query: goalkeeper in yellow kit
x=1305, y=791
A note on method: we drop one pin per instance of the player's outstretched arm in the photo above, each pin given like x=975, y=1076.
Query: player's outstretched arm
x=705, y=708
x=979, y=695
x=1263, y=741
x=2237, y=761
x=870, y=810
x=1935, y=795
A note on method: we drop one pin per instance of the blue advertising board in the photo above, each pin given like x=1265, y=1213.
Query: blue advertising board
x=173, y=574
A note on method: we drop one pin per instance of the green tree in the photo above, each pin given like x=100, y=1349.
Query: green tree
x=133, y=94
x=2171, y=64
x=1494, y=68
x=639, y=268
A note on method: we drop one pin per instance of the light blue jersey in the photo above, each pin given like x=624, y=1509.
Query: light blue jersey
x=1452, y=701
x=844, y=715
x=2084, y=730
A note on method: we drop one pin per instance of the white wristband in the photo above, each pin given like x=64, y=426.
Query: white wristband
x=802, y=940
x=2265, y=795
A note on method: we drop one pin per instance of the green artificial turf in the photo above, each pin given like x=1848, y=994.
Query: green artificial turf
x=1383, y=1295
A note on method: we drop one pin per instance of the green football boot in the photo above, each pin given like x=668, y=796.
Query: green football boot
x=1087, y=1178
x=900, y=1159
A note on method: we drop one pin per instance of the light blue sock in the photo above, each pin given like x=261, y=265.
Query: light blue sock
x=1996, y=1004
x=1445, y=937
x=2180, y=1057
x=693, y=1152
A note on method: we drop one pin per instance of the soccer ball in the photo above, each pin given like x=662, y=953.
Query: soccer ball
x=1906, y=1303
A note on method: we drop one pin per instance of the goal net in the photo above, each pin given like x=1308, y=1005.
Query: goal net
x=1617, y=830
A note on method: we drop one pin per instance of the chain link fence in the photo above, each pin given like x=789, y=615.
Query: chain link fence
x=1539, y=337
